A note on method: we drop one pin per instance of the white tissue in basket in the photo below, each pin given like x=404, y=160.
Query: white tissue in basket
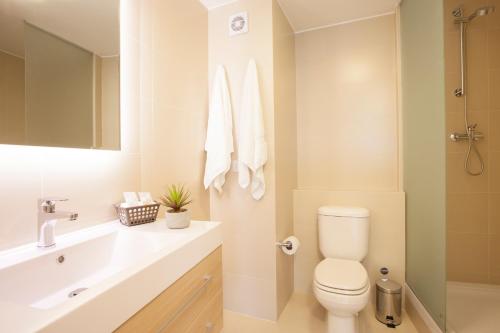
x=131, y=198
x=146, y=198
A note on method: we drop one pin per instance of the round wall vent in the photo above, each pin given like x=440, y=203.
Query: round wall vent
x=238, y=24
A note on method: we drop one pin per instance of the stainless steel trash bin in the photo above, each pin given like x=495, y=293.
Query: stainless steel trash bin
x=388, y=300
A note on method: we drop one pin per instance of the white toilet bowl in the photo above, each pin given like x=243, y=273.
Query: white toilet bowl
x=342, y=288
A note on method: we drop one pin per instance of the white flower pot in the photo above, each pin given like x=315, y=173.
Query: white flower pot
x=178, y=220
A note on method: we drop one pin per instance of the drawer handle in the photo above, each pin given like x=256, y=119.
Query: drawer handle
x=206, y=280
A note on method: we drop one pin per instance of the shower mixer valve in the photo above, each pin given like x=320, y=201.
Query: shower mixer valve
x=471, y=134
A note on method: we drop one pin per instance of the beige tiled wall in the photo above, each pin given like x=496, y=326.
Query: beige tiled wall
x=249, y=226
x=286, y=146
x=258, y=281
x=174, y=98
x=348, y=139
x=346, y=107
x=473, y=210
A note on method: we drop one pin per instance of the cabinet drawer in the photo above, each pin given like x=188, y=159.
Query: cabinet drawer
x=210, y=320
x=175, y=309
x=194, y=306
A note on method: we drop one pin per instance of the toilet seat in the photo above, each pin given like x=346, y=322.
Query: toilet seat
x=341, y=291
x=341, y=276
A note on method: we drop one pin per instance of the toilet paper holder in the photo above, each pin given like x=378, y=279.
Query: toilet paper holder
x=287, y=245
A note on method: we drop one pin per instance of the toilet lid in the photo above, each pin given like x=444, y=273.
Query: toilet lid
x=341, y=274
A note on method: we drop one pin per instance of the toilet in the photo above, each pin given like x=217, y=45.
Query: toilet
x=341, y=283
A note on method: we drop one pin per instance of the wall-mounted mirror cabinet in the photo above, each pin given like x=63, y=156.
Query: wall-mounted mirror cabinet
x=60, y=73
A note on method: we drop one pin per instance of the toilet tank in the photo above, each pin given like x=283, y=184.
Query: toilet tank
x=343, y=232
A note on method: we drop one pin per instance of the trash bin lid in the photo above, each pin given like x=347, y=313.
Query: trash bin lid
x=388, y=286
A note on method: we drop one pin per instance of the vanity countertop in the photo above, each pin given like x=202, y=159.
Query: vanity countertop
x=114, y=270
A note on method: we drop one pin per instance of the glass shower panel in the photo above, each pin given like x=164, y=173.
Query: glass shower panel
x=423, y=102
x=472, y=56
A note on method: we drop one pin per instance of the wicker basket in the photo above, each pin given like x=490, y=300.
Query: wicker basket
x=131, y=216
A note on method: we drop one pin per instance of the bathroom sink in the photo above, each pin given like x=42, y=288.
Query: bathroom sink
x=49, y=289
x=53, y=277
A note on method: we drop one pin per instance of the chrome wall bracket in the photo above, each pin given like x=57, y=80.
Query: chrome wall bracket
x=287, y=245
x=458, y=12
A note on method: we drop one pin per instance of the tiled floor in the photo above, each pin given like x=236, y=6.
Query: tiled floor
x=473, y=308
x=304, y=315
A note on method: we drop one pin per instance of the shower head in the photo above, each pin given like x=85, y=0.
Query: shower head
x=483, y=11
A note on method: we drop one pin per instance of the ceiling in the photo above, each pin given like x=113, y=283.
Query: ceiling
x=309, y=14
x=211, y=4
x=91, y=24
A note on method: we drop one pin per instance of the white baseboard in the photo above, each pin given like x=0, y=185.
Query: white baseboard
x=422, y=312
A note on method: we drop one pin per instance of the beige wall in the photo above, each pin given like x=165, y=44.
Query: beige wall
x=106, y=120
x=285, y=128
x=174, y=98
x=110, y=102
x=347, y=123
x=473, y=209
x=93, y=180
x=12, y=117
x=59, y=91
x=259, y=281
x=97, y=116
x=346, y=105
x=249, y=226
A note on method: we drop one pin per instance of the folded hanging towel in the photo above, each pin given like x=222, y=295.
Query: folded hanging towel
x=219, y=142
x=252, y=147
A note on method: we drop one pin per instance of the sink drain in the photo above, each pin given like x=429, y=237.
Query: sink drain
x=76, y=292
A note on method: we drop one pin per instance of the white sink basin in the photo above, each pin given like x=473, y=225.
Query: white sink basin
x=43, y=281
x=53, y=284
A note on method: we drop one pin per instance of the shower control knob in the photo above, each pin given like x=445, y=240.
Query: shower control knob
x=459, y=92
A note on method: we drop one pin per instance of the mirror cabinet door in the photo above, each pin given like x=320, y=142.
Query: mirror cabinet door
x=60, y=73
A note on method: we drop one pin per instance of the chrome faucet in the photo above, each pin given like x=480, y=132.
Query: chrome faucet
x=47, y=219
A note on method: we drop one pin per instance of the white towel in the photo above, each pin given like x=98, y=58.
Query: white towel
x=219, y=143
x=252, y=147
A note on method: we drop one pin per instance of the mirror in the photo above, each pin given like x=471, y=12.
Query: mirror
x=60, y=73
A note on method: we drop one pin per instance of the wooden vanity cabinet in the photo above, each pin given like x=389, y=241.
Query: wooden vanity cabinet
x=193, y=304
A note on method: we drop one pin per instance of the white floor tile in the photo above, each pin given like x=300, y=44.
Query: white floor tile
x=304, y=315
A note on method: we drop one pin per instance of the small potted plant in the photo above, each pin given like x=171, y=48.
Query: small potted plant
x=175, y=199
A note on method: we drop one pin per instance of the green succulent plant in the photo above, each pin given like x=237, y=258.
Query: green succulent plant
x=176, y=198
